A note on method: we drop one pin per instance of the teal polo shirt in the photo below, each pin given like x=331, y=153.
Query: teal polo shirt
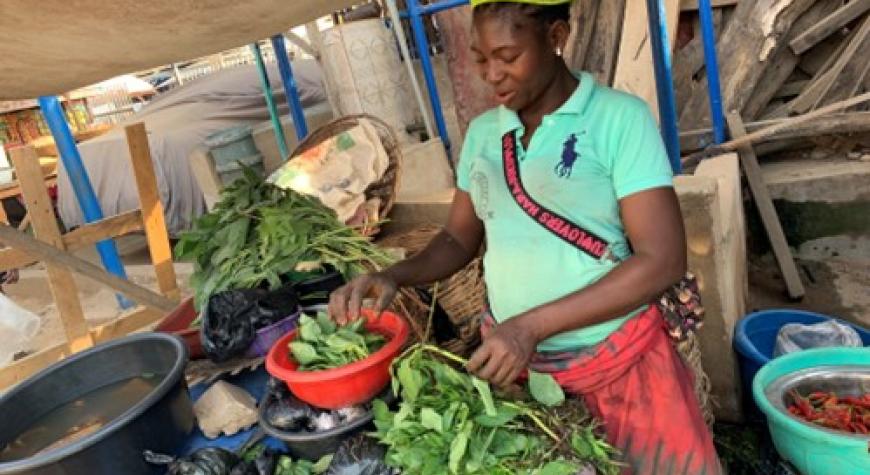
x=597, y=148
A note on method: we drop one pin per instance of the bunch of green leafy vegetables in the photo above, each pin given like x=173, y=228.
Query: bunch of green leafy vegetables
x=259, y=233
x=321, y=344
x=448, y=418
x=286, y=466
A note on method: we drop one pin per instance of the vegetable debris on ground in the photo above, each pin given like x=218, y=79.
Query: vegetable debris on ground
x=259, y=233
x=449, y=421
x=844, y=413
x=321, y=344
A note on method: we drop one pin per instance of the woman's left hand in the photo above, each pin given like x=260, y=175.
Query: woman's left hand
x=505, y=353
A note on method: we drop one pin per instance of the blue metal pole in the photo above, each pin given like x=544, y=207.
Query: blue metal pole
x=81, y=183
x=422, y=44
x=705, y=9
x=658, y=32
x=440, y=6
x=289, y=83
x=270, y=102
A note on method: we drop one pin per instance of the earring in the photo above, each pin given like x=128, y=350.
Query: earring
x=558, y=51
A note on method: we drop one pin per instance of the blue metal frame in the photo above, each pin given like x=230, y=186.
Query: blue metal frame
x=705, y=10
x=661, y=53
x=270, y=102
x=415, y=13
x=81, y=183
x=289, y=83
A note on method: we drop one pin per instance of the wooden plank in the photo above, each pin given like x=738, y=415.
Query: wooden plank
x=15, y=259
x=843, y=123
x=750, y=40
x=690, y=5
x=689, y=61
x=54, y=256
x=91, y=233
x=851, y=77
x=604, y=47
x=784, y=61
x=791, y=89
x=583, y=14
x=60, y=280
x=831, y=23
x=139, y=319
x=152, y=211
x=813, y=96
x=634, y=67
x=20, y=370
x=764, y=203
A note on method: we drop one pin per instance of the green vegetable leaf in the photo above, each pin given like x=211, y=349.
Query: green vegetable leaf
x=504, y=415
x=559, y=467
x=485, y=395
x=431, y=420
x=303, y=353
x=326, y=323
x=322, y=465
x=545, y=389
x=309, y=330
x=410, y=379
x=458, y=448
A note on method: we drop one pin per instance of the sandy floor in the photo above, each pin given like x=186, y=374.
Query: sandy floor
x=100, y=306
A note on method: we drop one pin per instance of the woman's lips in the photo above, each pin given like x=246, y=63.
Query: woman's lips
x=505, y=97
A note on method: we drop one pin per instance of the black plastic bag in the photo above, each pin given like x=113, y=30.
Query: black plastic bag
x=206, y=461
x=264, y=464
x=231, y=318
x=360, y=455
x=282, y=410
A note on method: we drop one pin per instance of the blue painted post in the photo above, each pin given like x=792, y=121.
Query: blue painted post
x=270, y=102
x=289, y=83
x=658, y=33
x=705, y=9
x=81, y=183
x=422, y=43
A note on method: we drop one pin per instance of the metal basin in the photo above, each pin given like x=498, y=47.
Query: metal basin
x=158, y=418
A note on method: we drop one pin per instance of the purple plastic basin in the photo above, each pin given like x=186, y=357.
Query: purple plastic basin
x=267, y=336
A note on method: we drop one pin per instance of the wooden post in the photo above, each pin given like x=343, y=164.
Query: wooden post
x=152, y=210
x=821, y=30
x=601, y=54
x=45, y=228
x=769, y=218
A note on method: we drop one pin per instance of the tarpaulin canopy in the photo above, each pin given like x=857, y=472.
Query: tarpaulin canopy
x=54, y=46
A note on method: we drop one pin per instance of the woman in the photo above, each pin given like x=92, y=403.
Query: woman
x=570, y=184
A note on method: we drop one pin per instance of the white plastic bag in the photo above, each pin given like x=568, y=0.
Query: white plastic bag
x=794, y=337
x=17, y=329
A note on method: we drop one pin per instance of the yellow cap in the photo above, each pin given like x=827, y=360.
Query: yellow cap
x=475, y=3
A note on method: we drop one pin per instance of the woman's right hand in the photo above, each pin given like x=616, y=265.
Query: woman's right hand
x=346, y=302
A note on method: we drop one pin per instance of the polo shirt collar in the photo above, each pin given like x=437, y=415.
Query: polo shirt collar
x=576, y=104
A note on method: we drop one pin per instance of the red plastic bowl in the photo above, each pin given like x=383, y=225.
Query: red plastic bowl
x=178, y=323
x=356, y=383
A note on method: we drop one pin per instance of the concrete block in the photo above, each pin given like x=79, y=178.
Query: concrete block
x=715, y=235
x=225, y=408
x=824, y=206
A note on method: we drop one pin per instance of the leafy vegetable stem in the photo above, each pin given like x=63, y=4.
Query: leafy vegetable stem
x=537, y=420
x=455, y=358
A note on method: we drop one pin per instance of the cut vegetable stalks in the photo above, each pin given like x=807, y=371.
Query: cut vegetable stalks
x=321, y=344
x=447, y=418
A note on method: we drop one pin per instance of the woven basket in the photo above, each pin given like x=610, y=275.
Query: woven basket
x=387, y=187
x=462, y=296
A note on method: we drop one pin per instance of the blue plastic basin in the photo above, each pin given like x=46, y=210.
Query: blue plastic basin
x=755, y=337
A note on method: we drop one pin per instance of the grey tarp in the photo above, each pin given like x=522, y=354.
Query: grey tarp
x=177, y=122
x=54, y=46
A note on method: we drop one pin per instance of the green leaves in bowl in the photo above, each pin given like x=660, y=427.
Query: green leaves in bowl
x=321, y=344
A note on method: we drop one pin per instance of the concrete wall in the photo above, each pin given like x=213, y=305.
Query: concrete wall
x=715, y=233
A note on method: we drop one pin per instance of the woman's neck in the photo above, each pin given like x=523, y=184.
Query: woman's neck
x=556, y=94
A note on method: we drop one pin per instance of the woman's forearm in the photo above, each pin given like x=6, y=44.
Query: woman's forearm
x=443, y=257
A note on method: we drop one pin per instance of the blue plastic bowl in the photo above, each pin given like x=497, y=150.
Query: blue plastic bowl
x=755, y=338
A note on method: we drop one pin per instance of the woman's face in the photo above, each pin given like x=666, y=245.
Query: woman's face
x=514, y=55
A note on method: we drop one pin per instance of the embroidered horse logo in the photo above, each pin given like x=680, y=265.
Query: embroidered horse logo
x=569, y=156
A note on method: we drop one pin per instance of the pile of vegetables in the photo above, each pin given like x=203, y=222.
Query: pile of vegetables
x=321, y=344
x=451, y=422
x=259, y=233
x=846, y=413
